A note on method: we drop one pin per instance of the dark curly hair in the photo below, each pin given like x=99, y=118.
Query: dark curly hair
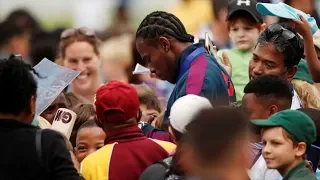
x=268, y=88
x=18, y=85
x=286, y=41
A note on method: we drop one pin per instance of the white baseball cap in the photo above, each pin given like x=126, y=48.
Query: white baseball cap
x=185, y=109
x=285, y=11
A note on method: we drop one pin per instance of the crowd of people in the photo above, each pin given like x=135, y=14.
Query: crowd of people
x=249, y=109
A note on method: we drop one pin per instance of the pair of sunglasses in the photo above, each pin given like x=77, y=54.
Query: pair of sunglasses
x=287, y=34
x=83, y=30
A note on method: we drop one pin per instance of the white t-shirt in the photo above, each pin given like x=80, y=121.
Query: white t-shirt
x=296, y=102
x=260, y=171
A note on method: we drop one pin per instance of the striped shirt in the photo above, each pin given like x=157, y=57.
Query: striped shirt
x=203, y=77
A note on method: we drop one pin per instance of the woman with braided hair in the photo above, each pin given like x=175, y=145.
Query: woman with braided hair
x=163, y=42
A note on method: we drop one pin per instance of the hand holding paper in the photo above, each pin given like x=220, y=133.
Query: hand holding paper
x=54, y=79
x=64, y=121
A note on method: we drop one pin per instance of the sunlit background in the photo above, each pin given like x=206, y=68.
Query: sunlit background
x=97, y=14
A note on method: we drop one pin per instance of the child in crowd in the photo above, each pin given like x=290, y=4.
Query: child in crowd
x=151, y=122
x=84, y=113
x=245, y=24
x=286, y=136
x=89, y=139
x=150, y=105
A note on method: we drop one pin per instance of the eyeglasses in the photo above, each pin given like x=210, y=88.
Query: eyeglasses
x=83, y=30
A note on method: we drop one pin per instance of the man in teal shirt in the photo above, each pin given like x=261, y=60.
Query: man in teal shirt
x=164, y=44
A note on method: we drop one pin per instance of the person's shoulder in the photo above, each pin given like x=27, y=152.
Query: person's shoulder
x=156, y=171
x=213, y=69
x=301, y=173
x=49, y=133
x=305, y=173
x=164, y=143
x=91, y=166
x=309, y=176
x=97, y=160
x=168, y=146
x=51, y=138
x=100, y=153
x=158, y=134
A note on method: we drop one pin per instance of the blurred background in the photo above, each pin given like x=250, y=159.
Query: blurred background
x=32, y=28
x=97, y=14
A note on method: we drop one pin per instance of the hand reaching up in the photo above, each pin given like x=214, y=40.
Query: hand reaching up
x=302, y=27
x=226, y=63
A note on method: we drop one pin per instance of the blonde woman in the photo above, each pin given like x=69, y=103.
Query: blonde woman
x=79, y=50
x=308, y=93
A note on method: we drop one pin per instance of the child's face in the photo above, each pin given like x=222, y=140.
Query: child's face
x=150, y=113
x=254, y=108
x=89, y=140
x=278, y=150
x=243, y=36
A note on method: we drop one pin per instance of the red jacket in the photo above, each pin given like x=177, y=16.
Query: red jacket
x=125, y=156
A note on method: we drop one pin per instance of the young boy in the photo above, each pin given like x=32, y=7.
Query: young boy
x=150, y=105
x=245, y=24
x=89, y=139
x=286, y=136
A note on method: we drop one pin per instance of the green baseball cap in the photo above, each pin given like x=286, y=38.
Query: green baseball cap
x=303, y=72
x=296, y=123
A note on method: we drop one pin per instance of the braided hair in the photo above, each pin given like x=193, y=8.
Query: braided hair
x=161, y=23
x=18, y=85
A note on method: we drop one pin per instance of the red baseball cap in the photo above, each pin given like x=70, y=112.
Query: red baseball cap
x=116, y=102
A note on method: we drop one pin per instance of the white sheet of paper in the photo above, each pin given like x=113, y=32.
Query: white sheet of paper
x=53, y=79
x=139, y=69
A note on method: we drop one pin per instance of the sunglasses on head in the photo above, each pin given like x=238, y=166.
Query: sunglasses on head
x=287, y=34
x=83, y=30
